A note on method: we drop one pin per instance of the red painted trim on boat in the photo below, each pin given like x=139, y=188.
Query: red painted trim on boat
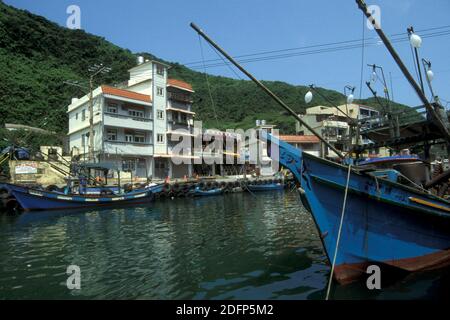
x=346, y=273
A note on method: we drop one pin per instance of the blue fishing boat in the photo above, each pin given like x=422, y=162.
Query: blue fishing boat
x=265, y=187
x=31, y=199
x=198, y=192
x=372, y=214
x=384, y=221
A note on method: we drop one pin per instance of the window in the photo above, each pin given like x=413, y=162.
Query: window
x=83, y=115
x=139, y=138
x=160, y=70
x=160, y=91
x=160, y=138
x=128, y=165
x=76, y=116
x=112, y=135
x=112, y=108
x=128, y=138
x=83, y=142
x=184, y=118
x=160, y=115
x=135, y=113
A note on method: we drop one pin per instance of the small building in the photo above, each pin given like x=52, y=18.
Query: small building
x=333, y=124
x=307, y=143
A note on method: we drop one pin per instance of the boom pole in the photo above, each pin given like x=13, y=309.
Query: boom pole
x=265, y=89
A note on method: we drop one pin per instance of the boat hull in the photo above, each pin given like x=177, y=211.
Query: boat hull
x=265, y=187
x=207, y=193
x=33, y=200
x=383, y=222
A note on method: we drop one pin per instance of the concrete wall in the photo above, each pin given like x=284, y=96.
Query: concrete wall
x=159, y=104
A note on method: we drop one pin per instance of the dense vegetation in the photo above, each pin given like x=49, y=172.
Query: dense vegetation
x=38, y=56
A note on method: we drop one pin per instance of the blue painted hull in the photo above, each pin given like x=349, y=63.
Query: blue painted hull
x=32, y=199
x=115, y=189
x=206, y=193
x=384, y=222
x=265, y=187
x=381, y=223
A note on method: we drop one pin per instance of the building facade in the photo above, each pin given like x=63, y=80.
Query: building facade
x=333, y=124
x=307, y=143
x=134, y=124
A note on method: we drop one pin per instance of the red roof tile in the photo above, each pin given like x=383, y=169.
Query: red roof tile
x=126, y=94
x=299, y=139
x=179, y=84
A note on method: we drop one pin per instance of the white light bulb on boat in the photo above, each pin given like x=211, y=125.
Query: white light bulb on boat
x=430, y=75
x=308, y=97
x=350, y=98
x=373, y=78
x=415, y=40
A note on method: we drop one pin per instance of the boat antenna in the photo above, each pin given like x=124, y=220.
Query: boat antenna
x=432, y=112
x=386, y=108
x=265, y=89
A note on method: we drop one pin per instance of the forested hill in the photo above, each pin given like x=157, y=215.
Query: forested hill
x=37, y=56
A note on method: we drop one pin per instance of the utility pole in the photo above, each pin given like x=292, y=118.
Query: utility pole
x=95, y=70
x=91, y=120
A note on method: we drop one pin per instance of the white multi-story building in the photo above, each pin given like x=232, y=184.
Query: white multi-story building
x=133, y=125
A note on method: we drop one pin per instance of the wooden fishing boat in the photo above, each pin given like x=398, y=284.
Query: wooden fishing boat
x=198, y=192
x=31, y=199
x=366, y=215
x=385, y=221
x=265, y=187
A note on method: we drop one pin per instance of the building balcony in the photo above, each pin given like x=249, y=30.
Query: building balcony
x=180, y=97
x=125, y=121
x=178, y=125
x=128, y=148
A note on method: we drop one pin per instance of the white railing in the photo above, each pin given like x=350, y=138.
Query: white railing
x=128, y=148
x=116, y=120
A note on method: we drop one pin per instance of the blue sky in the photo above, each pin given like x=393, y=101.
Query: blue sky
x=245, y=27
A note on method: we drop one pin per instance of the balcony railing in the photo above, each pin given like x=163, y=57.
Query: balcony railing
x=179, y=125
x=180, y=97
x=125, y=116
x=128, y=148
x=130, y=142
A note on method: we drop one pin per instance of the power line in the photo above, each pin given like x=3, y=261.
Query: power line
x=320, y=48
x=318, y=51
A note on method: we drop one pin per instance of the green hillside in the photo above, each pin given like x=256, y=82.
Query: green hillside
x=37, y=56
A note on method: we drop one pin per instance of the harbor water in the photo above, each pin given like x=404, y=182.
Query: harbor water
x=235, y=246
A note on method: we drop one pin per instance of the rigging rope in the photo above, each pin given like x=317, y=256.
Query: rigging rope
x=339, y=232
x=362, y=56
x=207, y=81
x=226, y=63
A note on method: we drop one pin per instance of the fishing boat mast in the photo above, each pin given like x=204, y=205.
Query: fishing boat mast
x=431, y=111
